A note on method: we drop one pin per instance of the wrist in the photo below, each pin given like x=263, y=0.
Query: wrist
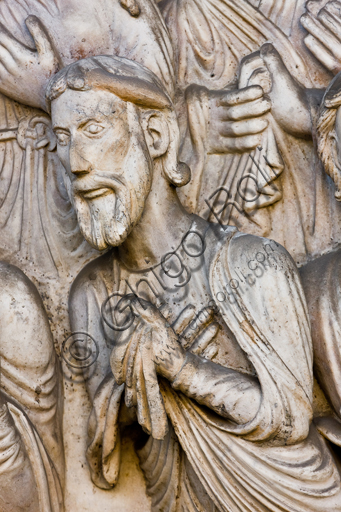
x=187, y=369
x=172, y=367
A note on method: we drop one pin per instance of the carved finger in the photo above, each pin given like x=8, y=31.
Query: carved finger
x=131, y=389
x=166, y=311
x=40, y=36
x=211, y=352
x=241, y=128
x=129, y=359
x=14, y=47
x=7, y=60
x=316, y=29
x=322, y=54
x=247, y=66
x=205, y=339
x=184, y=319
x=333, y=8
x=235, y=144
x=232, y=98
x=130, y=397
x=246, y=110
x=196, y=326
x=331, y=23
x=144, y=309
x=143, y=413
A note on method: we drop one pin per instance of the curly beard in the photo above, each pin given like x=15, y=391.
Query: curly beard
x=107, y=220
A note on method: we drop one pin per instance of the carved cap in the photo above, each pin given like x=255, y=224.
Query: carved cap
x=123, y=77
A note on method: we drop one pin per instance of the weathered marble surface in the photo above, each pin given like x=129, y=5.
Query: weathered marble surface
x=166, y=168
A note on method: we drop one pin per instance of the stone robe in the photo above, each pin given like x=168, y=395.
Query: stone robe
x=322, y=285
x=31, y=447
x=274, y=462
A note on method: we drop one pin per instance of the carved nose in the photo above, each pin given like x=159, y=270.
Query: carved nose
x=78, y=164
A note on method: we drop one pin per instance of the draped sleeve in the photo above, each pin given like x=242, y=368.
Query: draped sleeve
x=266, y=310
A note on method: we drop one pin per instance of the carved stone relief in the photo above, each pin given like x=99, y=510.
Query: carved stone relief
x=170, y=266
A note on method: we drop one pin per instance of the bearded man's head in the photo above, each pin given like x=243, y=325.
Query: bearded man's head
x=113, y=121
x=329, y=132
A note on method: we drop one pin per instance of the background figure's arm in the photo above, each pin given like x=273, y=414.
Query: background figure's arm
x=24, y=73
x=229, y=393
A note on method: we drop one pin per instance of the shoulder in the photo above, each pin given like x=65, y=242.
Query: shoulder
x=242, y=247
x=251, y=262
x=14, y=283
x=254, y=247
x=93, y=276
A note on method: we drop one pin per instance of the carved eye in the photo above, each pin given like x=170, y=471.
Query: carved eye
x=62, y=138
x=93, y=129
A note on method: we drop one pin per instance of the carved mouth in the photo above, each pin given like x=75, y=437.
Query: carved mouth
x=92, y=194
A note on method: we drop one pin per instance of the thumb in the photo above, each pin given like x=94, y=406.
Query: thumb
x=273, y=61
x=41, y=37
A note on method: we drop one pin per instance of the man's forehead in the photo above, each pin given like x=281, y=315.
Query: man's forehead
x=73, y=107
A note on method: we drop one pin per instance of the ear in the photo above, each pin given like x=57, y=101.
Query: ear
x=156, y=133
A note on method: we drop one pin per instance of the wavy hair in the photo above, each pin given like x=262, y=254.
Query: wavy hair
x=133, y=83
x=326, y=134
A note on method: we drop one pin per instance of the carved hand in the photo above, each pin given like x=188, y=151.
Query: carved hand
x=191, y=331
x=324, y=39
x=168, y=354
x=237, y=119
x=288, y=98
x=24, y=73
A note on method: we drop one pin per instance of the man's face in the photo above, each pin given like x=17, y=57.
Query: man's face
x=102, y=147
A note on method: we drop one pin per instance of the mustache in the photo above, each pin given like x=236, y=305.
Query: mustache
x=98, y=179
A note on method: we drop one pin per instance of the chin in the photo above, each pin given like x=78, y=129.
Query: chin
x=107, y=221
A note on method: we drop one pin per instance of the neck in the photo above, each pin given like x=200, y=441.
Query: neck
x=161, y=228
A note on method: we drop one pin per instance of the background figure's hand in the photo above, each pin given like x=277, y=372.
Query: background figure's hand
x=24, y=73
x=236, y=119
x=324, y=39
x=197, y=331
x=289, y=100
x=190, y=331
